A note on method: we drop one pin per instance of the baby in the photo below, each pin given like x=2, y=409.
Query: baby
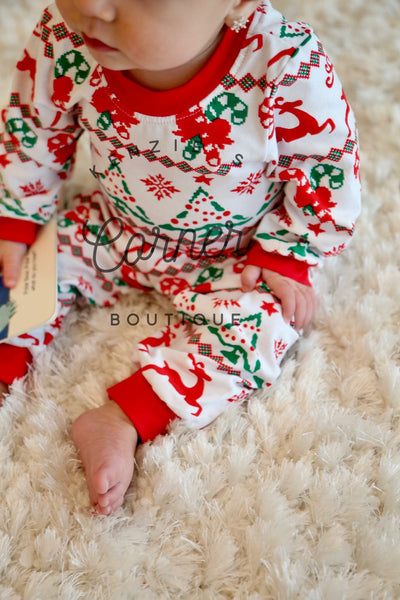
x=225, y=167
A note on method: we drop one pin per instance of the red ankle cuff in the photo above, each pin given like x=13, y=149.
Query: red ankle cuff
x=149, y=414
x=14, y=362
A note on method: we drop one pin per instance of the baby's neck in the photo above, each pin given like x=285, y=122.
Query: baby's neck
x=172, y=78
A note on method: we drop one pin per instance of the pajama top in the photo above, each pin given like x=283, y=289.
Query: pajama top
x=261, y=144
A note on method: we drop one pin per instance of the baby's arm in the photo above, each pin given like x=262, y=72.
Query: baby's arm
x=39, y=130
x=311, y=129
x=11, y=256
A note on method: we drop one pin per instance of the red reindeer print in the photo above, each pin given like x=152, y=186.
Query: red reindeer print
x=343, y=97
x=279, y=348
x=154, y=342
x=307, y=124
x=33, y=188
x=28, y=64
x=190, y=393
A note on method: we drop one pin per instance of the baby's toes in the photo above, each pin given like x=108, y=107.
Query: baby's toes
x=107, y=509
x=112, y=496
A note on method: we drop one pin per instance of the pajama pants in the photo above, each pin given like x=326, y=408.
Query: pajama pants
x=225, y=342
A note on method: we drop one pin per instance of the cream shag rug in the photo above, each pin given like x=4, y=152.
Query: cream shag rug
x=293, y=496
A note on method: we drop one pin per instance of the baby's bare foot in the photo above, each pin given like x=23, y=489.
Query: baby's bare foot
x=4, y=390
x=106, y=441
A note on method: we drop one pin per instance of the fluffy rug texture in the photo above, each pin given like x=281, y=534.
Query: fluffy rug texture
x=293, y=495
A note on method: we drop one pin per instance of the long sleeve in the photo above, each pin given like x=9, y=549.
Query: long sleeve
x=314, y=176
x=39, y=131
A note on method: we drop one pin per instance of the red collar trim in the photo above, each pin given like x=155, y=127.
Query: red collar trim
x=137, y=98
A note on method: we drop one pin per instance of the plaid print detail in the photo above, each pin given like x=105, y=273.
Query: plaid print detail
x=64, y=240
x=304, y=70
x=246, y=83
x=47, y=16
x=15, y=100
x=167, y=162
x=349, y=147
x=76, y=39
x=23, y=157
x=188, y=268
x=49, y=51
x=24, y=109
x=60, y=31
x=334, y=154
x=107, y=286
x=184, y=166
x=206, y=350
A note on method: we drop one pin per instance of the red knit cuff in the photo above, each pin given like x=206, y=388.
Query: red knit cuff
x=149, y=414
x=285, y=265
x=17, y=230
x=14, y=362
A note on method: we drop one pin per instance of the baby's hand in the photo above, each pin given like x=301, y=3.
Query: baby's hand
x=299, y=301
x=11, y=255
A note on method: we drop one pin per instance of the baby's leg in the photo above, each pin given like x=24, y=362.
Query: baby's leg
x=234, y=346
x=106, y=442
x=103, y=438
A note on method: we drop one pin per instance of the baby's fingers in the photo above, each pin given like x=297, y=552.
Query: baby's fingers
x=11, y=256
x=288, y=303
x=297, y=304
x=249, y=277
x=305, y=307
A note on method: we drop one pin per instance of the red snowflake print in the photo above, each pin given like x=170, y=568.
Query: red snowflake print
x=283, y=216
x=225, y=302
x=248, y=185
x=239, y=397
x=335, y=251
x=279, y=348
x=33, y=188
x=84, y=284
x=160, y=186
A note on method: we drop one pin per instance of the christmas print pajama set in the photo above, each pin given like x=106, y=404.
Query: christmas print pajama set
x=253, y=161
